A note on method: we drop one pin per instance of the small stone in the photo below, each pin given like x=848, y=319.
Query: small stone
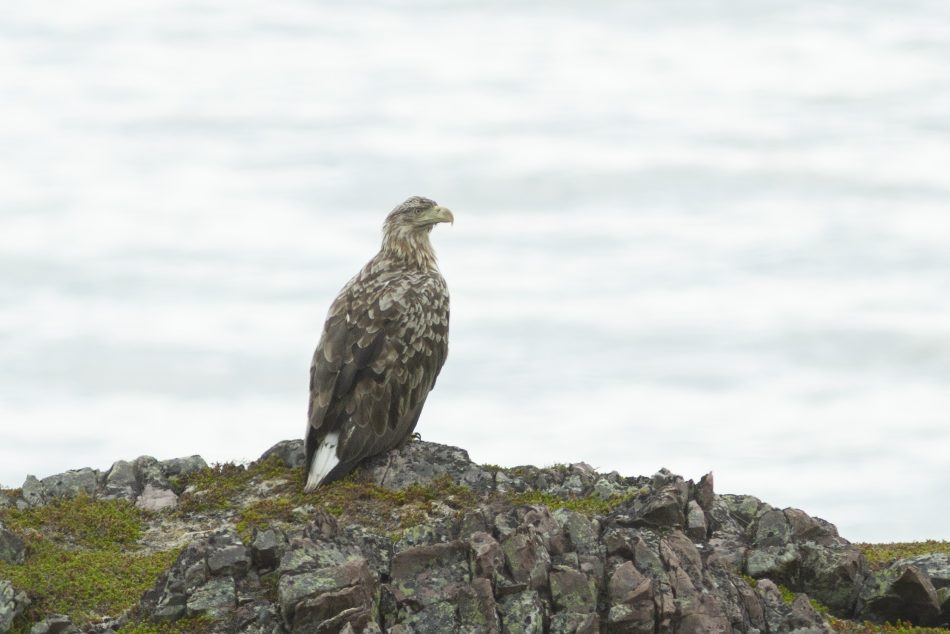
x=54, y=624
x=155, y=499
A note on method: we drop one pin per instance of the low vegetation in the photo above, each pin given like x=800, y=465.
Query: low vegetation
x=82, y=558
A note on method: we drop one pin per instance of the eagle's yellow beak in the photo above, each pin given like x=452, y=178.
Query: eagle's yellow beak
x=438, y=214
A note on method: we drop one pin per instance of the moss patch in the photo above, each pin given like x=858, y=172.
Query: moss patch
x=385, y=509
x=216, y=488
x=589, y=506
x=82, y=559
x=81, y=521
x=879, y=555
x=191, y=625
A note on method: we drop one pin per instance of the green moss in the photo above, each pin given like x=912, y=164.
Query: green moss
x=788, y=596
x=215, y=488
x=882, y=554
x=82, y=559
x=84, y=584
x=81, y=521
x=376, y=506
x=192, y=625
x=586, y=505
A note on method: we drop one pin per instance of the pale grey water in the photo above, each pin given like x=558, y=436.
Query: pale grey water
x=700, y=235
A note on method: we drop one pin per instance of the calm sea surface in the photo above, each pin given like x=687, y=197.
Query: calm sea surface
x=708, y=236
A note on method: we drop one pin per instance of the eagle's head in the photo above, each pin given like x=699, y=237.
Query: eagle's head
x=407, y=227
x=417, y=214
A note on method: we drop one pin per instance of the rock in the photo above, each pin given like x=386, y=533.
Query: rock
x=522, y=613
x=292, y=453
x=661, y=508
x=425, y=575
x=339, y=594
x=216, y=598
x=580, y=533
x=227, y=555
x=54, y=624
x=68, y=484
x=12, y=548
x=527, y=559
x=120, y=482
x=571, y=623
x=487, y=556
x=900, y=593
x=572, y=591
x=72, y=483
x=631, y=601
x=704, y=494
x=10, y=606
x=423, y=463
x=695, y=521
x=178, y=467
x=476, y=608
x=149, y=471
x=155, y=499
x=936, y=566
x=33, y=491
x=267, y=548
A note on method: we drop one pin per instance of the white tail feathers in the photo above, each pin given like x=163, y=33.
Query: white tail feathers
x=324, y=459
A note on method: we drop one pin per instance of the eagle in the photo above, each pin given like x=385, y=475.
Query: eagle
x=382, y=347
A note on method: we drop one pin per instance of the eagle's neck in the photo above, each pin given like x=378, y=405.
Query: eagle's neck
x=409, y=246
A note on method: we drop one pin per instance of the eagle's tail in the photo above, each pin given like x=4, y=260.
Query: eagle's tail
x=323, y=462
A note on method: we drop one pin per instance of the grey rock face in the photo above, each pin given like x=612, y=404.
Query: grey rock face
x=9, y=606
x=12, y=548
x=522, y=613
x=155, y=499
x=120, y=482
x=424, y=462
x=900, y=592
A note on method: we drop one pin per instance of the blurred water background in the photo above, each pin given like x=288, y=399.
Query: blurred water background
x=695, y=235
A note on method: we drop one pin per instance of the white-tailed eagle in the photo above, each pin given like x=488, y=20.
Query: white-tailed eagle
x=383, y=344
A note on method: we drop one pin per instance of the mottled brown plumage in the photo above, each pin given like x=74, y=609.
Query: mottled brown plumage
x=383, y=344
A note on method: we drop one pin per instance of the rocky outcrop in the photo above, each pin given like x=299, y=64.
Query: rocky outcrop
x=145, y=481
x=486, y=550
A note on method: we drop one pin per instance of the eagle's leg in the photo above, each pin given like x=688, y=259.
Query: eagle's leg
x=389, y=463
x=415, y=436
